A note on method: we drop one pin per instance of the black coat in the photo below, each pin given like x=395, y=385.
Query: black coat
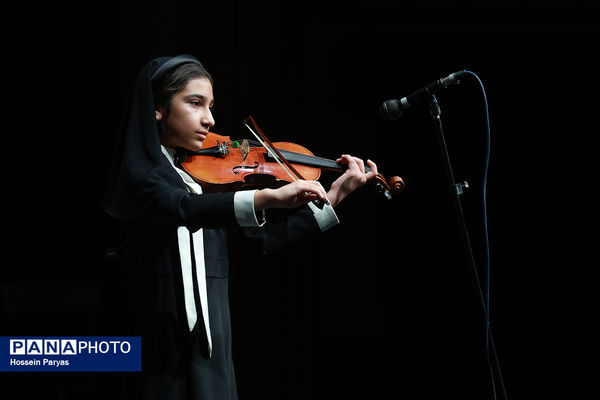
x=174, y=366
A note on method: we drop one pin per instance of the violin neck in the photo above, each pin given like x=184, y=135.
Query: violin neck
x=312, y=161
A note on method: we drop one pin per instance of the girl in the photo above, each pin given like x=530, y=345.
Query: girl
x=176, y=235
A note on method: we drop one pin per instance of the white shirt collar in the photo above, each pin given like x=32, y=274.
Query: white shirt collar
x=169, y=153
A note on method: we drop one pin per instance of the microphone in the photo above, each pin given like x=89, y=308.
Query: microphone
x=393, y=109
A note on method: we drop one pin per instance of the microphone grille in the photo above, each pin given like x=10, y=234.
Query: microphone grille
x=390, y=110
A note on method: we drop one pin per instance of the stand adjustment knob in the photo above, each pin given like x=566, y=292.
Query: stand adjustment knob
x=459, y=188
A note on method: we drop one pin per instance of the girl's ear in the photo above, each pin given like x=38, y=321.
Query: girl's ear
x=158, y=115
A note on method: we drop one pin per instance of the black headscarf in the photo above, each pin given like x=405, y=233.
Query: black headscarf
x=140, y=174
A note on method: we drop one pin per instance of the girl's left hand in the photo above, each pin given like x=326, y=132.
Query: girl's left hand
x=354, y=177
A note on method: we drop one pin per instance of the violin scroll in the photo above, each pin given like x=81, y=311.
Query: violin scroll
x=396, y=185
x=388, y=188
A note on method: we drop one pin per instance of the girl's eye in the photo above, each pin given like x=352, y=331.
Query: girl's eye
x=195, y=103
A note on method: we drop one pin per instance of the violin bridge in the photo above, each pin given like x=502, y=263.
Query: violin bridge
x=245, y=149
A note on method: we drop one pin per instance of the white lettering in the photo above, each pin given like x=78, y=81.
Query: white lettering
x=81, y=345
x=17, y=362
x=103, y=347
x=56, y=363
x=123, y=346
x=93, y=347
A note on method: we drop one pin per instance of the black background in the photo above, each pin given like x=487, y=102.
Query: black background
x=382, y=306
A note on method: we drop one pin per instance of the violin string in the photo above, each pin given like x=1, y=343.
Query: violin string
x=271, y=152
x=316, y=161
x=321, y=161
x=309, y=160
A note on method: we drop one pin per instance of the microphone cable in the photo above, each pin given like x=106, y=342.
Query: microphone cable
x=489, y=340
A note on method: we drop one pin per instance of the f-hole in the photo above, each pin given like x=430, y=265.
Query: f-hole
x=234, y=169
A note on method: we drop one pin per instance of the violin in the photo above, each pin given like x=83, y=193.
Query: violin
x=224, y=165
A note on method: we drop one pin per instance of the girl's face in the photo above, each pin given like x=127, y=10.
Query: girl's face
x=190, y=118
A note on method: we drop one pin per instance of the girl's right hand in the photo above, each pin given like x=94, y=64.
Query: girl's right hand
x=289, y=196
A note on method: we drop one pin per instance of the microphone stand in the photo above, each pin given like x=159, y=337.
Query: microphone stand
x=456, y=190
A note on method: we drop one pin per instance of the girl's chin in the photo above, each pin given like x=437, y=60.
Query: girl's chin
x=194, y=146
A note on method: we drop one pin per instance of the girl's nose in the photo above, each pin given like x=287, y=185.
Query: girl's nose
x=207, y=120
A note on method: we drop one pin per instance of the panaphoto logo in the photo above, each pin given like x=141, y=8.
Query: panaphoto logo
x=75, y=353
x=40, y=347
